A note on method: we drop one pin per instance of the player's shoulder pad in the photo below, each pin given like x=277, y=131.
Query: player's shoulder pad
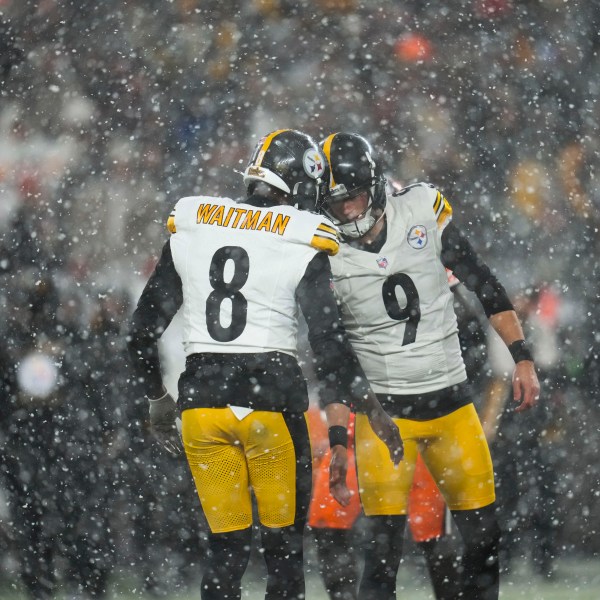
x=326, y=237
x=187, y=210
x=318, y=231
x=428, y=194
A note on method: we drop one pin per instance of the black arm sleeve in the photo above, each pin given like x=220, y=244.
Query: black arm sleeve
x=459, y=256
x=336, y=364
x=156, y=308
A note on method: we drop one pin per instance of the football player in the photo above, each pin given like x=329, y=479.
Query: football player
x=239, y=271
x=397, y=307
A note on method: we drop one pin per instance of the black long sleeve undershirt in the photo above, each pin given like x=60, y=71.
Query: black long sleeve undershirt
x=459, y=256
x=156, y=308
x=336, y=364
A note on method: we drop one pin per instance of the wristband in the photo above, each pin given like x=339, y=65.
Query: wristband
x=520, y=351
x=338, y=435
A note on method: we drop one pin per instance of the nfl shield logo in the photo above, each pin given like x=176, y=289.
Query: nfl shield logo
x=382, y=262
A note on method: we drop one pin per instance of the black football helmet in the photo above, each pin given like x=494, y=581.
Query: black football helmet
x=353, y=168
x=291, y=162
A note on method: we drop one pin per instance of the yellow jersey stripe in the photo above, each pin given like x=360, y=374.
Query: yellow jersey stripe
x=328, y=236
x=327, y=152
x=327, y=228
x=438, y=201
x=325, y=244
x=445, y=213
x=266, y=144
x=171, y=223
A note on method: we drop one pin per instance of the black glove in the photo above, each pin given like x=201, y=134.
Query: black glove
x=163, y=423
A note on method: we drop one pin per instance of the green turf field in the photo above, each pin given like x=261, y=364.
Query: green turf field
x=576, y=578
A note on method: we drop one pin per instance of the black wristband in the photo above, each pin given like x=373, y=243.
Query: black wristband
x=520, y=351
x=338, y=435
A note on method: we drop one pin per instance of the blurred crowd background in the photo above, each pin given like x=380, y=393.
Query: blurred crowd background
x=115, y=109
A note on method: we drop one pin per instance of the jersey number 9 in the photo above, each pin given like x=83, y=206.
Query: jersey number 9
x=411, y=313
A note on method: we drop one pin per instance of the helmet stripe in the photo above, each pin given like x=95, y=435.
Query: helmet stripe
x=263, y=149
x=327, y=152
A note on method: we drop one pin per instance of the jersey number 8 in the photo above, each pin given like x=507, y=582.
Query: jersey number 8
x=227, y=290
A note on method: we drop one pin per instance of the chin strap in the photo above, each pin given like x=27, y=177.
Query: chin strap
x=354, y=230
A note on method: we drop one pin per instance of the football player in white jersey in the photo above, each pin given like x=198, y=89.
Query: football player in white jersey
x=396, y=304
x=239, y=271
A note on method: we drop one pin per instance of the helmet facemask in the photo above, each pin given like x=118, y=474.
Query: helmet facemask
x=365, y=221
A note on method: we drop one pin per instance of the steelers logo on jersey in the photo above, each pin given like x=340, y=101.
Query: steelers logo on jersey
x=417, y=237
x=314, y=163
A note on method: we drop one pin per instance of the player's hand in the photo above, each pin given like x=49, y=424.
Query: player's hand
x=387, y=431
x=526, y=387
x=163, y=417
x=338, y=467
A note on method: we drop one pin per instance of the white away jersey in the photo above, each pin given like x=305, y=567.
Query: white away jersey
x=397, y=305
x=239, y=266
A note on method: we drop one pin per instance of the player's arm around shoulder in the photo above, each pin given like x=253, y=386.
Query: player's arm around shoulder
x=320, y=233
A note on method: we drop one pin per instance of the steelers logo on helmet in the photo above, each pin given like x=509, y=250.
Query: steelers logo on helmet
x=289, y=161
x=314, y=163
